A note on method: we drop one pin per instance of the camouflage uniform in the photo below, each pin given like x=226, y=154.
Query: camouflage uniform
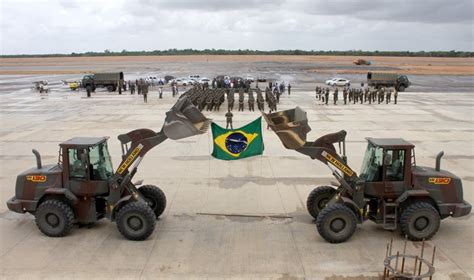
x=145, y=92
x=230, y=99
x=241, y=105
x=344, y=95
x=395, y=96
x=326, y=96
x=228, y=117
x=388, y=96
x=209, y=103
x=336, y=96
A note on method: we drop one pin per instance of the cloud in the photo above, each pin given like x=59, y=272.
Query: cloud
x=65, y=26
x=427, y=11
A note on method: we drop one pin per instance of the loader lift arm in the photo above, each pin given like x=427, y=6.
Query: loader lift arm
x=291, y=126
x=182, y=120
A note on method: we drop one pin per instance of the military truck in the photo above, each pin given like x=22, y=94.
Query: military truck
x=103, y=80
x=378, y=80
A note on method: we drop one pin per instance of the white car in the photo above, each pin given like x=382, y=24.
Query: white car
x=182, y=81
x=204, y=80
x=338, y=82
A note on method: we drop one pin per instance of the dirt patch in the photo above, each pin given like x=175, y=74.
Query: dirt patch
x=312, y=64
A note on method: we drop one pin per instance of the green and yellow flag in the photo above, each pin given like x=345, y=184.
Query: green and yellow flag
x=230, y=144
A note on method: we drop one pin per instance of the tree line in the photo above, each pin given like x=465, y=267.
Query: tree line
x=451, y=53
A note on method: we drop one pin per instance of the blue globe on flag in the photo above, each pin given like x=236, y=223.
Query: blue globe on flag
x=236, y=142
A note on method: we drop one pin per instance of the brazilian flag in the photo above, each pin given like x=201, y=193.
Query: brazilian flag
x=230, y=144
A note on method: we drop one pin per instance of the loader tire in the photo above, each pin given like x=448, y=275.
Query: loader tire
x=155, y=198
x=136, y=220
x=54, y=218
x=419, y=221
x=318, y=198
x=401, y=88
x=336, y=223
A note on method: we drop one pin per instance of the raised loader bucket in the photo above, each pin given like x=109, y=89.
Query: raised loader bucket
x=184, y=120
x=291, y=126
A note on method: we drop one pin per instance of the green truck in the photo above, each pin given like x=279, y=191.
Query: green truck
x=378, y=80
x=111, y=81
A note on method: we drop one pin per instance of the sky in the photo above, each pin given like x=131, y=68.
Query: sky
x=66, y=26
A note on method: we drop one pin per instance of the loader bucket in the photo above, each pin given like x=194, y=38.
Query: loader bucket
x=291, y=126
x=184, y=120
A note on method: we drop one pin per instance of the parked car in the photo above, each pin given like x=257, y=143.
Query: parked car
x=338, y=82
x=183, y=81
x=41, y=86
x=204, y=80
x=250, y=78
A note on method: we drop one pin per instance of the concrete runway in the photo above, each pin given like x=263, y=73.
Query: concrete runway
x=187, y=245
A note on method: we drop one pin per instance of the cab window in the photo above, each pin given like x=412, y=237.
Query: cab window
x=101, y=163
x=77, y=164
x=395, y=163
x=372, y=165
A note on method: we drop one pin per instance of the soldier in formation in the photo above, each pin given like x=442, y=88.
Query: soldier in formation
x=388, y=96
x=251, y=101
x=230, y=99
x=260, y=100
x=326, y=96
x=356, y=95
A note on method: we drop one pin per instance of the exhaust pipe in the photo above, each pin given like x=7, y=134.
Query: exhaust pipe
x=38, y=158
x=438, y=160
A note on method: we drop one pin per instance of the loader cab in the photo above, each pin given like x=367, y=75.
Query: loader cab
x=87, y=165
x=386, y=168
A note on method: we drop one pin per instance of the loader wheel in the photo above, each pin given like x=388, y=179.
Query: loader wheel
x=54, y=218
x=401, y=88
x=318, y=198
x=136, y=220
x=336, y=223
x=155, y=198
x=419, y=221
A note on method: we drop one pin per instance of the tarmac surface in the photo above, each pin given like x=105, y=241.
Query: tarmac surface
x=243, y=219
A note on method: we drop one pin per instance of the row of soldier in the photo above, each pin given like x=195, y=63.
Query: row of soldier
x=356, y=95
x=211, y=99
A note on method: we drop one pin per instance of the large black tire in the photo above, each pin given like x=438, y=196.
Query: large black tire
x=155, y=198
x=401, y=88
x=318, y=198
x=136, y=220
x=110, y=88
x=54, y=218
x=419, y=221
x=336, y=223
